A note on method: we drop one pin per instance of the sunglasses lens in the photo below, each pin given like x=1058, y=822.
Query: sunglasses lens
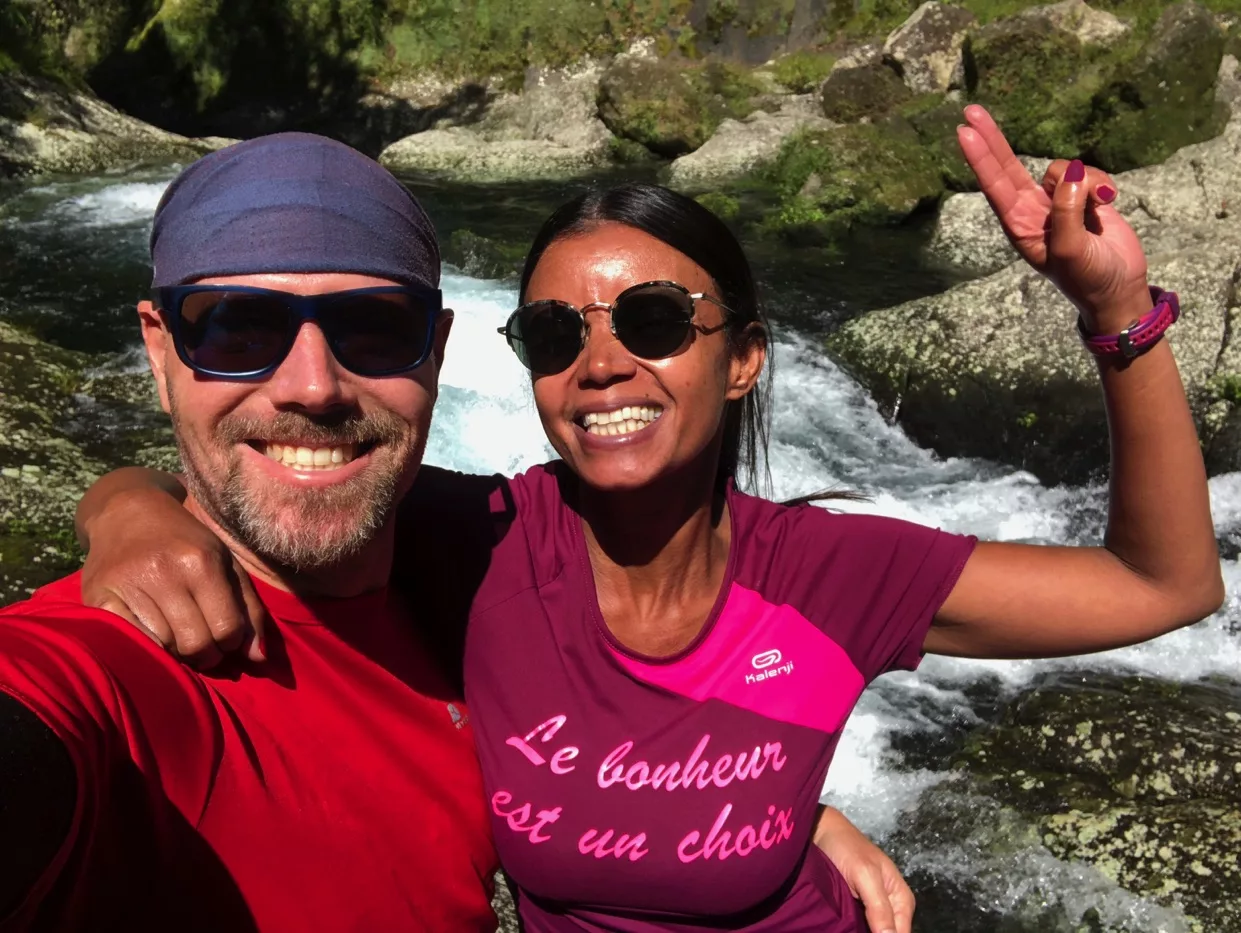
x=546, y=336
x=653, y=321
x=380, y=333
x=233, y=333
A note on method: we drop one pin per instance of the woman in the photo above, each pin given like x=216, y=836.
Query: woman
x=658, y=665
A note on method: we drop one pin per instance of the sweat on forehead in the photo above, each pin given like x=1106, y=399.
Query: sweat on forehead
x=291, y=202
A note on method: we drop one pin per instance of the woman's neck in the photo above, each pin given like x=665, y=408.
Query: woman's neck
x=659, y=556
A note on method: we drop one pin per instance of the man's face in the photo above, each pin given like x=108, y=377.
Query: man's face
x=245, y=445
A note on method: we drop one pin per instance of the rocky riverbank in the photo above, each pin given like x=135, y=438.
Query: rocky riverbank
x=824, y=115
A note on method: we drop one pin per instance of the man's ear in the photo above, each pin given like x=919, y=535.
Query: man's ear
x=749, y=355
x=443, y=324
x=158, y=343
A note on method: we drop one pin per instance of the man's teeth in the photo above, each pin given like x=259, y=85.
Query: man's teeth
x=311, y=458
x=622, y=420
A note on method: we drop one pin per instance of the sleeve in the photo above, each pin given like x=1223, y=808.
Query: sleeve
x=872, y=584
x=138, y=732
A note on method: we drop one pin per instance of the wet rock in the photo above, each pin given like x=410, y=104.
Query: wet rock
x=831, y=180
x=47, y=127
x=550, y=130
x=740, y=147
x=926, y=49
x=993, y=368
x=672, y=107
x=865, y=91
x=1138, y=777
x=504, y=906
x=484, y=257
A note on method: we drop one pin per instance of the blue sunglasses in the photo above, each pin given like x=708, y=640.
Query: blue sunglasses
x=239, y=332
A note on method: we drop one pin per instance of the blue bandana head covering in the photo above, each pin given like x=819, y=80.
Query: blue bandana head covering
x=291, y=202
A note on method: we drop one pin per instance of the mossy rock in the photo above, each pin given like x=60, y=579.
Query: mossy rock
x=1039, y=82
x=33, y=555
x=672, y=107
x=1119, y=106
x=1137, y=776
x=484, y=257
x=850, y=94
x=803, y=71
x=831, y=180
x=1165, y=98
x=935, y=119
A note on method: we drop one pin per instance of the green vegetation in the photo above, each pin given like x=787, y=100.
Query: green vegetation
x=803, y=71
x=724, y=206
x=830, y=180
x=672, y=107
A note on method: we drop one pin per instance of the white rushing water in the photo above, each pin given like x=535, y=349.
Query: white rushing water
x=827, y=433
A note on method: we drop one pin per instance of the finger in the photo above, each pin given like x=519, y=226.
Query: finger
x=874, y=897
x=141, y=612
x=993, y=180
x=194, y=641
x=256, y=612
x=903, y=903
x=1067, y=237
x=978, y=118
x=220, y=599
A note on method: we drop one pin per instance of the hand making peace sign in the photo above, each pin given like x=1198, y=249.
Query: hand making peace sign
x=1065, y=227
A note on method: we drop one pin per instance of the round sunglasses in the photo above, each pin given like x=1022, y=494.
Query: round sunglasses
x=240, y=332
x=652, y=320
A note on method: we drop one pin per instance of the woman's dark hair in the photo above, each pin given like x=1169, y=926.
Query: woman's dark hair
x=694, y=231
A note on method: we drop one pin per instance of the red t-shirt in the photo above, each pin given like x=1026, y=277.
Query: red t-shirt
x=672, y=794
x=335, y=787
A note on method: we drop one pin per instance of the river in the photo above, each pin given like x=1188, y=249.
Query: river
x=73, y=261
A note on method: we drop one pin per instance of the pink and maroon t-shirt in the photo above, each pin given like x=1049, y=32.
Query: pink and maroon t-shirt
x=632, y=793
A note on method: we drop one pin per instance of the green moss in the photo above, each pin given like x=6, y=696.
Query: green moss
x=722, y=205
x=672, y=107
x=33, y=555
x=1227, y=387
x=831, y=180
x=803, y=71
x=936, y=120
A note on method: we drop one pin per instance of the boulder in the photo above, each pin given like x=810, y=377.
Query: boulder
x=741, y=147
x=1165, y=98
x=1038, y=73
x=550, y=130
x=1062, y=85
x=866, y=91
x=830, y=180
x=993, y=368
x=1197, y=184
x=48, y=127
x=672, y=107
x=926, y=49
x=1138, y=777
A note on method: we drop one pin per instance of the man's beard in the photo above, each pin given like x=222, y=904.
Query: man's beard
x=330, y=523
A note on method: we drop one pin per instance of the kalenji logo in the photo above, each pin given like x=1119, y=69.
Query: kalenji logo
x=764, y=663
x=766, y=659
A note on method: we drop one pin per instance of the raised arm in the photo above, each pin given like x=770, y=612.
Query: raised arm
x=1158, y=568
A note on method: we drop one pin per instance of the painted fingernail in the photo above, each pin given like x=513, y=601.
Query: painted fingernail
x=1075, y=172
x=1105, y=193
x=262, y=643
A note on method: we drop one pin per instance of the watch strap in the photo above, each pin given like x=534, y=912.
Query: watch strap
x=1141, y=334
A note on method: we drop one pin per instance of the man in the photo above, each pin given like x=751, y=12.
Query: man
x=338, y=789
x=327, y=781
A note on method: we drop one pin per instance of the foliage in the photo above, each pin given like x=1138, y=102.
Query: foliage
x=724, y=206
x=802, y=71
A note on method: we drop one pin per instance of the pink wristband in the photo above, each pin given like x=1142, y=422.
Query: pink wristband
x=1139, y=336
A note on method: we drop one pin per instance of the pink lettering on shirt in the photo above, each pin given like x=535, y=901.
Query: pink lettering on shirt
x=697, y=771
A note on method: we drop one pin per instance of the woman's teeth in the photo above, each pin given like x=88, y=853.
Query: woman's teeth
x=621, y=421
x=311, y=458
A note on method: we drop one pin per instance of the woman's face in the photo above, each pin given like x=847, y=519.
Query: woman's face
x=679, y=401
